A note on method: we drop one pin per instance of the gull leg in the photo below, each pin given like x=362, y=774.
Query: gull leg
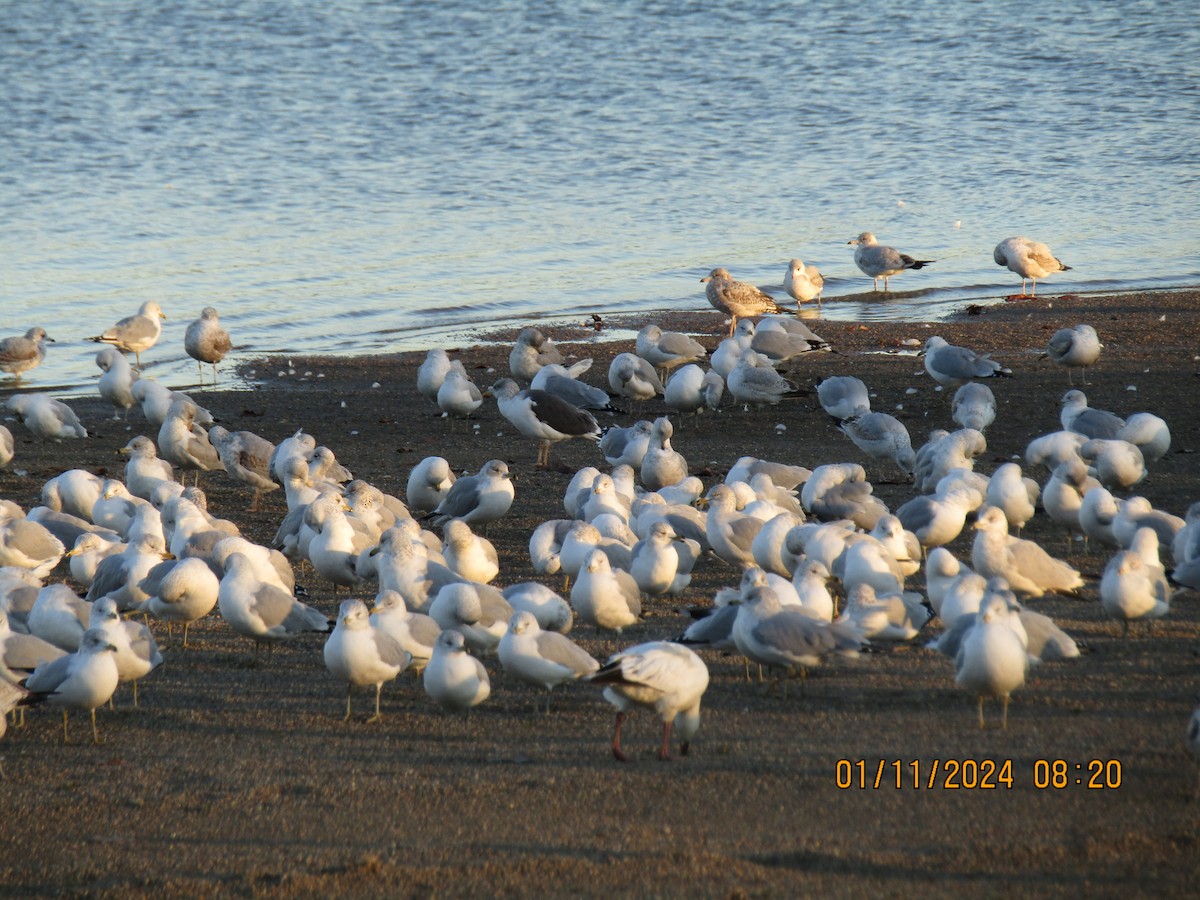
x=67, y=740
x=135, y=693
x=378, y=716
x=616, y=741
x=1004, y=712
x=349, y=687
x=95, y=733
x=185, y=633
x=664, y=752
x=981, y=712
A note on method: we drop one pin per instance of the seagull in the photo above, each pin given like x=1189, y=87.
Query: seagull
x=206, y=341
x=780, y=346
x=1029, y=569
x=736, y=298
x=952, y=366
x=754, y=380
x=156, y=401
x=179, y=444
x=1130, y=589
x=662, y=676
x=605, y=597
x=882, y=436
x=84, y=679
x=6, y=447
x=1074, y=348
x=1117, y=464
x=454, y=678
x=631, y=376
x=262, y=611
x=477, y=499
x=58, y=616
x=137, y=651
x=135, y=333
x=1028, y=258
x=20, y=354
x=692, y=389
x=803, y=283
x=991, y=660
x=879, y=261
x=359, y=653
x=478, y=611
x=458, y=395
x=1089, y=421
x=29, y=545
x=540, y=415
x=428, y=483
x=46, y=418
x=662, y=465
x=20, y=652
x=1149, y=433
x=843, y=396
x=665, y=350
x=557, y=380
x=182, y=591
x=973, y=406
x=432, y=373
x=1014, y=494
x=145, y=470
x=542, y=658
x=415, y=633
x=246, y=457
x=531, y=351
x=548, y=609
x=626, y=446
x=468, y=555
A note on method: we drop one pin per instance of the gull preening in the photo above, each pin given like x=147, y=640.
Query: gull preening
x=880, y=261
x=1028, y=258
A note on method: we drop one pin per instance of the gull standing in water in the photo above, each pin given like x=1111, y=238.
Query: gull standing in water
x=206, y=341
x=1028, y=258
x=737, y=298
x=803, y=283
x=20, y=354
x=879, y=261
x=662, y=676
x=135, y=333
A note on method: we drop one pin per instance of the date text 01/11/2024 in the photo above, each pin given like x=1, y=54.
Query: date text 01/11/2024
x=972, y=774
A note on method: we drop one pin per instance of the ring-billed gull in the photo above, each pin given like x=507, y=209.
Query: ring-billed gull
x=357, y=652
x=882, y=618
x=477, y=499
x=183, y=591
x=992, y=661
x=1097, y=513
x=454, y=678
x=414, y=632
x=754, y=380
x=46, y=418
x=542, y=658
x=120, y=575
x=156, y=402
x=951, y=366
x=1118, y=464
x=946, y=452
x=661, y=676
x=25, y=352
x=803, y=283
x=692, y=389
x=458, y=396
x=631, y=376
x=1149, y=433
x=478, y=611
x=467, y=554
x=428, y=483
x=137, y=651
x=181, y=445
x=548, y=609
x=1029, y=569
x=1014, y=494
x=206, y=341
x=135, y=333
x=665, y=350
x=605, y=597
x=730, y=533
x=662, y=465
x=263, y=611
x=787, y=637
x=530, y=352
x=973, y=406
x=1089, y=421
x=882, y=436
x=145, y=470
x=843, y=396
x=780, y=346
x=28, y=545
x=431, y=374
x=1131, y=590
x=737, y=299
x=21, y=653
x=542, y=416
x=1075, y=348
x=626, y=446
x=1028, y=258
x=938, y=520
x=84, y=679
x=880, y=261
x=654, y=563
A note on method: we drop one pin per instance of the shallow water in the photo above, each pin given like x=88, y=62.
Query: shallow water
x=362, y=177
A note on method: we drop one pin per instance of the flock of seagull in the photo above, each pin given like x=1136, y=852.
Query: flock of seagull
x=823, y=568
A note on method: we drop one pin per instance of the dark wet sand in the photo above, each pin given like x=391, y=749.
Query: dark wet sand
x=232, y=779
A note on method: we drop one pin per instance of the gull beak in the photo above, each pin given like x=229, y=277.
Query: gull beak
x=168, y=555
x=72, y=552
x=123, y=451
x=50, y=339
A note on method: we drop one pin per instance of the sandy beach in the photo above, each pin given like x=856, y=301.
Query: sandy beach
x=232, y=778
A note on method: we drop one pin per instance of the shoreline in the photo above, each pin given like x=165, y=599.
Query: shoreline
x=230, y=778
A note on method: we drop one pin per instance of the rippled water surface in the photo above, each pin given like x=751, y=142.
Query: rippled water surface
x=357, y=176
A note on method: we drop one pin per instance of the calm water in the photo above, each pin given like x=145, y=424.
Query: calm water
x=360, y=177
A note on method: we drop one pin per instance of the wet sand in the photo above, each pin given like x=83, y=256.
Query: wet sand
x=232, y=778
